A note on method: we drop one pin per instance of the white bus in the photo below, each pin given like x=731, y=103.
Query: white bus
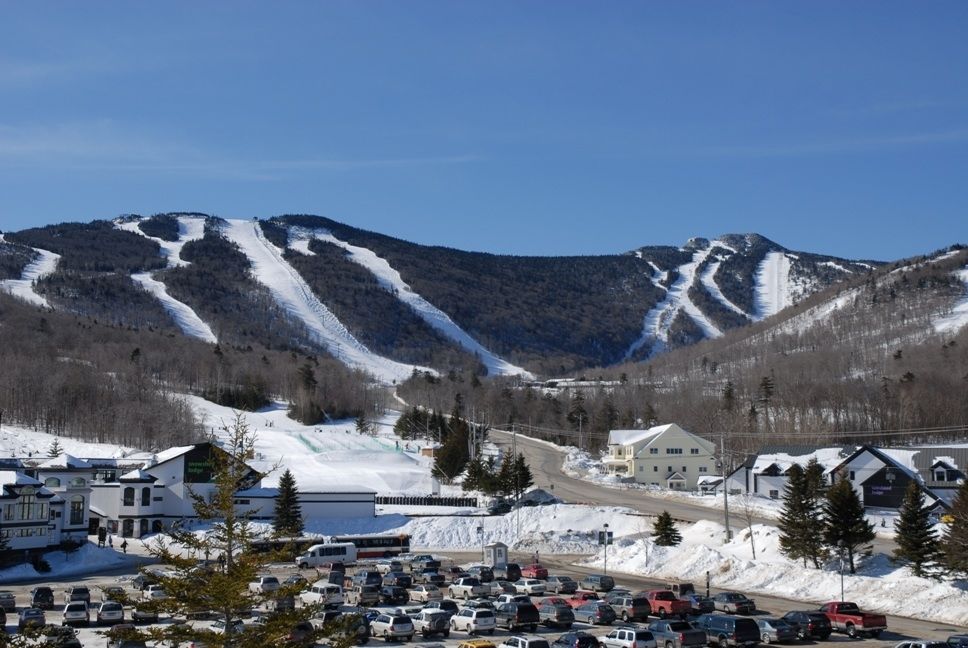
x=323, y=554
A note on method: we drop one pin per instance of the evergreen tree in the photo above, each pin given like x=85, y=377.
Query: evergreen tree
x=55, y=449
x=665, y=532
x=288, y=520
x=523, y=479
x=917, y=543
x=577, y=415
x=844, y=526
x=506, y=476
x=362, y=425
x=798, y=520
x=955, y=543
x=451, y=458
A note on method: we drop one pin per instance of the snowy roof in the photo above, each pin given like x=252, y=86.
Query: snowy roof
x=66, y=461
x=13, y=478
x=709, y=479
x=829, y=458
x=628, y=437
x=172, y=453
x=137, y=475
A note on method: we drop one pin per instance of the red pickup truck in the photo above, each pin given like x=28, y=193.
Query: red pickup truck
x=664, y=603
x=847, y=618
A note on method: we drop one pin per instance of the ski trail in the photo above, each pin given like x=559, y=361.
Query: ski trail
x=391, y=281
x=709, y=282
x=294, y=295
x=658, y=321
x=658, y=276
x=23, y=288
x=190, y=228
x=959, y=314
x=187, y=319
x=772, y=285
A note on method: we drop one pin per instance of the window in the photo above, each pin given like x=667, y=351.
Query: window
x=702, y=469
x=774, y=494
x=26, y=506
x=128, y=497
x=78, y=482
x=694, y=451
x=238, y=502
x=655, y=469
x=77, y=510
x=851, y=475
x=683, y=469
x=52, y=482
x=670, y=469
x=8, y=512
x=146, y=496
x=674, y=451
x=940, y=474
x=653, y=451
x=640, y=468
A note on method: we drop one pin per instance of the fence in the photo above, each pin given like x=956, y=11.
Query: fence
x=426, y=500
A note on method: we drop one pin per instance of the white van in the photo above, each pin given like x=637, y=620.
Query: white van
x=336, y=552
x=322, y=593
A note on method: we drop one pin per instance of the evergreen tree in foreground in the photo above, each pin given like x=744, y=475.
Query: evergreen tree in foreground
x=844, y=525
x=917, y=543
x=955, y=544
x=288, y=520
x=55, y=449
x=665, y=532
x=798, y=520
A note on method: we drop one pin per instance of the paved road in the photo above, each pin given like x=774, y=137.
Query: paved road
x=545, y=462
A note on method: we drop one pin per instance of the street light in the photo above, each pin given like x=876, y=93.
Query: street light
x=840, y=550
x=480, y=534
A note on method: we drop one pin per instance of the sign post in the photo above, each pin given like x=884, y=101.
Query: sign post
x=605, y=539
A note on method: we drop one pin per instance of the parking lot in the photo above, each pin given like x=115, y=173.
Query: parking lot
x=899, y=629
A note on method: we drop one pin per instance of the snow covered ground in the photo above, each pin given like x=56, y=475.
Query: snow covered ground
x=190, y=228
x=18, y=441
x=708, y=281
x=87, y=559
x=23, y=288
x=294, y=295
x=879, y=586
x=773, y=290
x=391, y=281
x=958, y=318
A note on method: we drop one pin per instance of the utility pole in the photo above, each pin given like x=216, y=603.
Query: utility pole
x=722, y=461
x=517, y=485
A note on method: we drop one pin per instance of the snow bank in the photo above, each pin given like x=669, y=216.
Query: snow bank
x=296, y=298
x=23, y=288
x=391, y=281
x=87, y=559
x=18, y=441
x=878, y=586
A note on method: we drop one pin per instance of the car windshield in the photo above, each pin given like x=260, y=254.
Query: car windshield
x=679, y=626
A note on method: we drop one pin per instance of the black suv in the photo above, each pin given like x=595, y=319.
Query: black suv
x=41, y=597
x=577, y=639
x=727, y=630
x=508, y=571
x=398, y=578
x=393, y=595
x=958, y=641
x=809, y=624
x=518, y=615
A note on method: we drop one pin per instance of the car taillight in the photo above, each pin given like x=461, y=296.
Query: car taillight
x=682, y=637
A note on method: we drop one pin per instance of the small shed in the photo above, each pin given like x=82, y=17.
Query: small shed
x=495, y=553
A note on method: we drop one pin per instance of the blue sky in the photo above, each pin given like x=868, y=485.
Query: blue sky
x=516, y=127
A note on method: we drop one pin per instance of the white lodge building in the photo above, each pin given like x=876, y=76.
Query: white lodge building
x=665, y=455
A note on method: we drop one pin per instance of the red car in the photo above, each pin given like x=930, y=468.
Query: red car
x=534, y=571
x=581, y=597
x=664, y=603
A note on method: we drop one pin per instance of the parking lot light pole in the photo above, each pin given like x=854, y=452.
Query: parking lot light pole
x=606, y=549
x=480, y=534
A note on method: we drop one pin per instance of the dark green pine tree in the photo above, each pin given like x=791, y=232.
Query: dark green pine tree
x=917, y=543
x=844, y=526
x=665, y=532
x=288, y=520
x=798, y=519
x=55, y=449
x=523, y=479
x=505, y=476
x=955, y=543
x=451, y=458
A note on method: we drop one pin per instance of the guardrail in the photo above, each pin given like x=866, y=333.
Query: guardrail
x=425, y=500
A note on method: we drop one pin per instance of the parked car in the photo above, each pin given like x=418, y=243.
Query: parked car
x=530, y=586
x=41, y=597
x=597, y=583
x=628, y=638
x=534, y=570
x=322, y=593
x=110, y=612
x=8, y=601
x=512, y=598
x=774, y=630
x=575, y=639
x=233, y=626
x=476, y=643
x=431, y=622
x=301, y=634
x=595, y=612
x=31, y=617
x=353, y=625
x=616, y=592
x=483, y=573
x=425, y=593
x=958, y=641
x=112, y=593
x=76, y=612
x=556, y=613
x=734, y=603
x=847, y=618
x=366, y=577
x=446, y=605
x=474, y=621
x=677, y=634
x=728, y=630
x=281, y=603
x=60, y=637
x=630, y=608
x=142, y=615
x=507, y=571
x=296, y=580
x=809, y=624
x=392, y=626
x=561, y=584
x=923, y=644
x=154, y=593
x=424, y=561
x=500, y=586
x=429, y=576
x=663, y=603
x=518, y=615
x=467, y=588
x=699, y=604
x=398, y=578
x=480, y=604
x=362, y=595
x=524, y=642
x=580, y=597
x=386, y=566
x=120, y=636
x=393, y=595
x=77, y=593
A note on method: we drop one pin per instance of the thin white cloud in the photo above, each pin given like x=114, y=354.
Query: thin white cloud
x=843, y=146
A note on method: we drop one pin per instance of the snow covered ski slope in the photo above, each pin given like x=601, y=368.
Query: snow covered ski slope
x=294, y=295
x=390, y=280
x=773, y=287
x=708, y=281
x=23, y=288
x=190, y=228
x=959, y=314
